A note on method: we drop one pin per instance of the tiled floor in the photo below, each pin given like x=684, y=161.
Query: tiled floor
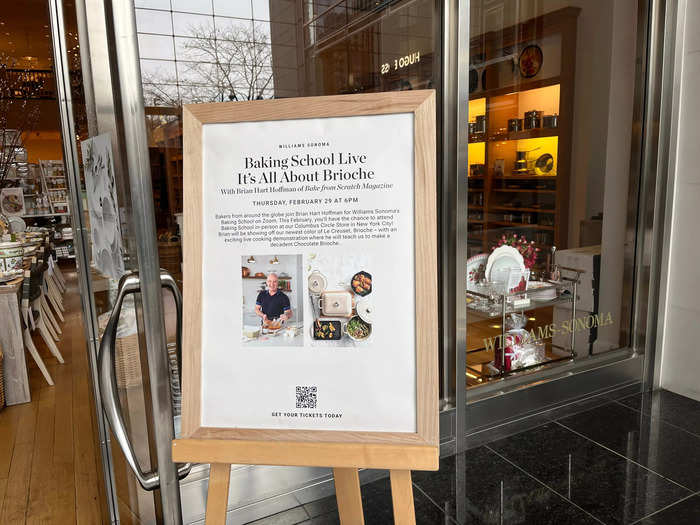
x=633, y=460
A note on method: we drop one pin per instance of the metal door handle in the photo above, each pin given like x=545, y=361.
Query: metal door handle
x=168, y=281
x=128, y=284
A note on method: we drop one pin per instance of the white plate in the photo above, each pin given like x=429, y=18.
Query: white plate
x=17, y=224
x=500, y=262
x=474, y=268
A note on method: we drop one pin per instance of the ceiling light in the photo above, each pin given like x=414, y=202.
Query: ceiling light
x=251, y=259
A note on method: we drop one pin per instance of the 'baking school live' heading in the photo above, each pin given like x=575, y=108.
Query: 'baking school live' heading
x=331, y=167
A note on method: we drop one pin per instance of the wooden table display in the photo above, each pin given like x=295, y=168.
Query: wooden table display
x=15, y=365
x=349, y=448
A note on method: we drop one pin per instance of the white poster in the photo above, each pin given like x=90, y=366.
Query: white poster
x=308, y=315
x=105, y=231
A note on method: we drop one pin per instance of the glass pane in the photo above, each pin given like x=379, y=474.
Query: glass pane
x=193, y=6
x=186, y=24
x=240, y=9
x=550, y=126
x=149, y=21
x=156, y=46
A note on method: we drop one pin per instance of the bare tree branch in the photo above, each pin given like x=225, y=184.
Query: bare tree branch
x=232, y=62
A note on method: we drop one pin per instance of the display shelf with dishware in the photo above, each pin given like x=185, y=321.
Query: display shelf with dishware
x=499, y=289
x=55, y=185
x=520, y=126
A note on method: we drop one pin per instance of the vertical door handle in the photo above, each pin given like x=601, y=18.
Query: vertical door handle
x=128, y=284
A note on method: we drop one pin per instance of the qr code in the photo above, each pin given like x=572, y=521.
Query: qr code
x=306, y=396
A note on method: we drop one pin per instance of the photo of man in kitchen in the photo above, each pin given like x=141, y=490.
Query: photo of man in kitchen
x=272, y=308
x=272, y=304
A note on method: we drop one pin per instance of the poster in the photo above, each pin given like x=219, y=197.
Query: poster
x=12, y=202
x=308, y=267
x=105, y=231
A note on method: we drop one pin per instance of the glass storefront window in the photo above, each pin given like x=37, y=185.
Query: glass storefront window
x=202, y=51
x=551, y=90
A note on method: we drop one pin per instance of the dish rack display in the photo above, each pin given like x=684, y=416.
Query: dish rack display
x=44, y=188
x=56, y=186
x=517, y=349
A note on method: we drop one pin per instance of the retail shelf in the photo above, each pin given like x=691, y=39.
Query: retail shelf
x=45, y=215
x=522, y=225
x=526, y=177
x=525, y=134
x=522, y=190
x=513, y=208
x=520, y=87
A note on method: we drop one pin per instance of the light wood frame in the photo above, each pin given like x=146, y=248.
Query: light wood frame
x=395, y=450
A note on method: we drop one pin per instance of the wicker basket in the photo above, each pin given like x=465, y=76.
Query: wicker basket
x=127, y=360
x=170, y=258
x=2, y=379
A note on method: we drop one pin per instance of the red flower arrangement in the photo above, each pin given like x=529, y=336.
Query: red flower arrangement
x=526, y=248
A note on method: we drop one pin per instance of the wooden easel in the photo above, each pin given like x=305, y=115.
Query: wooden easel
x=396, y=458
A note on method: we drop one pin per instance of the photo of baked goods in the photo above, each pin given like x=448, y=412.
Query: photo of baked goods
x=339, y=290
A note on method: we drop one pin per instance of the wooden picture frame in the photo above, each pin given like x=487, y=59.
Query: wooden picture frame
x=391, y=450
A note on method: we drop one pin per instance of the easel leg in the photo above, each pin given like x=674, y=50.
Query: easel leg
x=347, y=494
x=217, y=494
x=402, y=497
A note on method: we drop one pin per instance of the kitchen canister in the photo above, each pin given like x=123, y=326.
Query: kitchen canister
x=550, y=121
x=11, y=254
x=515, y=124
x=533, y=119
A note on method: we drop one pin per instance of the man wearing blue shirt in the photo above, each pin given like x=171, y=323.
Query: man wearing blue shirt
x=273, y=303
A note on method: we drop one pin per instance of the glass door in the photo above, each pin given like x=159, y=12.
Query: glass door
x=132, y=351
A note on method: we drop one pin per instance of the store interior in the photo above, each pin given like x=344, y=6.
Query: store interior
x=50, y=466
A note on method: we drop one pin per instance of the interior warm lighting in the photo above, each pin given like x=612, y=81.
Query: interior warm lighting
x=476, y=107
x=251, y=260
x=495, y=326
x=274, y=260
x=531, y=318
x=476, y=152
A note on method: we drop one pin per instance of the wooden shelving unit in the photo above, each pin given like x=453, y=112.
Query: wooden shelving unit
x=536, y=206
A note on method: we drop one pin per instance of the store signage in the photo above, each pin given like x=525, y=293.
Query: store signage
x=400, y=63
x=310, y=269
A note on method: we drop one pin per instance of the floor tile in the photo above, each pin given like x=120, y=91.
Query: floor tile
x=686, y=512
x=288, y=517
x=663, y=448
x=377, y=507
x=492, y=490
x=667, y=406
x=611, y=488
